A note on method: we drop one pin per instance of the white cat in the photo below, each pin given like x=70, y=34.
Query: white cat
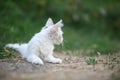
x=41, y=46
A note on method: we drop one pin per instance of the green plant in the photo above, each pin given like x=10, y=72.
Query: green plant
x=6, y=54
x=91, y=61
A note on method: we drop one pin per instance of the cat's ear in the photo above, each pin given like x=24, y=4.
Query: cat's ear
x=49, y=22
x=56, y=27
x=59, y=24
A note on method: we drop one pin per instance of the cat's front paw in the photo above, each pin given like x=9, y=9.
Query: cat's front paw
x=38, y=62
x=57, y=60
x=54, y=60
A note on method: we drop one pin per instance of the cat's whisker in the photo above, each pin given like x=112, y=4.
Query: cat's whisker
x=62, y=45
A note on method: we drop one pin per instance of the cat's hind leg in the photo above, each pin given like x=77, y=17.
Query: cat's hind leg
x=34, y=59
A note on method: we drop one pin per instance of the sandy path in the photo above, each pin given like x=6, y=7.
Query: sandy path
x=72, y=68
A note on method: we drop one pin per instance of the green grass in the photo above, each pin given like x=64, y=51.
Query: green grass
x=89, y=43
x=79, y=42
x=19, y=21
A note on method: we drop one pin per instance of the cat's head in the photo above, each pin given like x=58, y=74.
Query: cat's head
x=54, y=31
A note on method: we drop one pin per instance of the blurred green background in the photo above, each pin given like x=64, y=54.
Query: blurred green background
x=91, y=26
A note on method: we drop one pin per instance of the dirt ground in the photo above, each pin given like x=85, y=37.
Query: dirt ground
x=72, y=68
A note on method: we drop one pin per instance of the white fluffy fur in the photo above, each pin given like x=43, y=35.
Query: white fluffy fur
x=41, y=46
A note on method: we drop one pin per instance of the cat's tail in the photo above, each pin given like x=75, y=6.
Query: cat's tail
x=21, y=48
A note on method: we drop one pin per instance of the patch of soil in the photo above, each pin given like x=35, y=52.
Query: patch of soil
x=72, y=68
